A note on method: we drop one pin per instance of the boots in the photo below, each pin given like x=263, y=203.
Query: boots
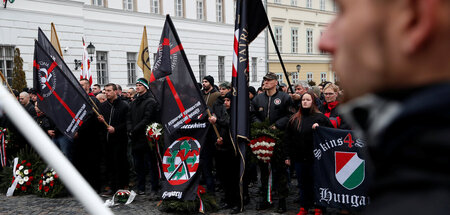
x=302, y=211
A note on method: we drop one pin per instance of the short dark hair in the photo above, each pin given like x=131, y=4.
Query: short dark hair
x=97, y=85
x=119, y=87
x=111, y=85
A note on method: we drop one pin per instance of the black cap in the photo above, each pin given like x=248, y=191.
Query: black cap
x=143, y=81
x=252, y=90
x=270, y=76
x=210, y=79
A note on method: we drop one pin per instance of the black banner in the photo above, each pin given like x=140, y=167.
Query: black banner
x=48, y=47
x=340, y=169
x=57, y=97
x=173, y=84
x=181, y=160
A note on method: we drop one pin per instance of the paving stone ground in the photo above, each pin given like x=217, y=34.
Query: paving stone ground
x=142, y=205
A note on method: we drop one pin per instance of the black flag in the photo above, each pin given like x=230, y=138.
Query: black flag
x=173, y=83
x=251, y=19
x=57, y=97
x=181, y=160
x=48, y=47
x=340, y=169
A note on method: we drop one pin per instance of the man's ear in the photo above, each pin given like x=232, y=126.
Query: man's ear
x=420, y=23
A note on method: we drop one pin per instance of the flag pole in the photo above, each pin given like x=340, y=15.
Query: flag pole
x=279, y=58
x=71, y=178
x=6, y=82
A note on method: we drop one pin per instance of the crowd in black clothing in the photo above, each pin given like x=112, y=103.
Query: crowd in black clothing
x=111, y=147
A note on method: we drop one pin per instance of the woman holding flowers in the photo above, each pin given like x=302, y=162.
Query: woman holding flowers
x=299, y=146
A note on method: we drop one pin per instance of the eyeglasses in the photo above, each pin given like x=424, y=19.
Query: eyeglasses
x=328, y=94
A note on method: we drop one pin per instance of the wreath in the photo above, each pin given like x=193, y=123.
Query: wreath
x=265, y=143
x=49, y=185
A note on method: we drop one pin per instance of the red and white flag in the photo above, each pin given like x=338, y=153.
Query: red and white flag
x=85, y=65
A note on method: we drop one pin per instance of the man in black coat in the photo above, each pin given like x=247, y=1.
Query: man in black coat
x=87, y=145
x=24, y=99
x=142, y=112
x=114, y=112
x=393, y=67
x=273, y=105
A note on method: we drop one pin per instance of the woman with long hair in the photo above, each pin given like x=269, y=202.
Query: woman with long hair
x=299, y=147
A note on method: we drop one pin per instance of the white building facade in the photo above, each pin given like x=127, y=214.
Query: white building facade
x=114, y=27
x=297, y=26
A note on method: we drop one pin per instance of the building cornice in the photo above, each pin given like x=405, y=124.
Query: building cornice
x=304, y=9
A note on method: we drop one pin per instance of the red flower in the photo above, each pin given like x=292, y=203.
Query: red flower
x=29, y=171
x=18, y=185
x=40, y=181
x=28, y=164
x=28, y=183
x=46, y=188
x=24, y=188
x=17, y=166
x=40, y=187
x=56, y=176
x=24, y=161
x=51, y=183
x=42, y=175
x=31, y=177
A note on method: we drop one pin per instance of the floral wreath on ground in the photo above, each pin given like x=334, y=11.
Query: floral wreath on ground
x=264, y=143
x=49, y=184
x=20, y=176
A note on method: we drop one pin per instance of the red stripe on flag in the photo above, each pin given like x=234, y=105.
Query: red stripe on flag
x=234, y=72
x=63, y=103
x=52, y=67
x=344, y=157
x=176, y=49
x=40, y=97
x=152, y=78
x=36, y=65
x=177, y=98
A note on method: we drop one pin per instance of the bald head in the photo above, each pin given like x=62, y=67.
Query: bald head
x=380, y=45
x=24, y=98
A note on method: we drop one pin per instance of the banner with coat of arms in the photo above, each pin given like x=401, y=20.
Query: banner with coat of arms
x=180, y=161
x=340, y=169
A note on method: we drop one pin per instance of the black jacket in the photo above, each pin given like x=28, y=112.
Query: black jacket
x=276, y=108
x=223, y=125
x=408, y=135
x=115, y=114
x=299, y=141
x=30, y=109
x=143, y=111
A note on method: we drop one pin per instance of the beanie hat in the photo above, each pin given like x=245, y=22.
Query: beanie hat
x=252, y=90
x=225, y=85
x=210, y=79
x=228, y=95
x=143, y=81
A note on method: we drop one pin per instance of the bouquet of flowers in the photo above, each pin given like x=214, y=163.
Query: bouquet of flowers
x=49, y=184
x=23, y=177
x=154, y=132
x=121, y=196
x=263, y=147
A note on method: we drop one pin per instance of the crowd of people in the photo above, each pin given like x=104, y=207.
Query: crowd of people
x=111, y=149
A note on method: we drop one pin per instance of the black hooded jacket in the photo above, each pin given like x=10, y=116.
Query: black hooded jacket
x=275, y=107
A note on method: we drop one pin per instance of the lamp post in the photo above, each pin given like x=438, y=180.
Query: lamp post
x=91, y=50
x=298, y=69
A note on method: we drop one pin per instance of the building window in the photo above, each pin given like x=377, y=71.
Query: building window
x=294, y=2
x=201, y=66
x=179, y=6
x=234, y=9
x=200, y=10
x=219, y=10
x=254, y=69
x=155, y=6
x=294, y=77
x=102, y=68
x=279, y=77
x=309, y=41
x=322, y=4
x=308, y=4
x=323, y=77
x=277, y=1
x=131, y=67
x=309, y=76
x=98, y=3
x=335, y=6
x=336, y=78
x=221, y=68
x=278, y=37
x=294, y=38
x=128, y=5
x=7, y=62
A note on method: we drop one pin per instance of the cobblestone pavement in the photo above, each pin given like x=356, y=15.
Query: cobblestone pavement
x=32, y=204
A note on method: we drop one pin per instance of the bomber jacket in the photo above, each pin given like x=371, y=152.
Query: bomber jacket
x=275, y=107
x=143, y=110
